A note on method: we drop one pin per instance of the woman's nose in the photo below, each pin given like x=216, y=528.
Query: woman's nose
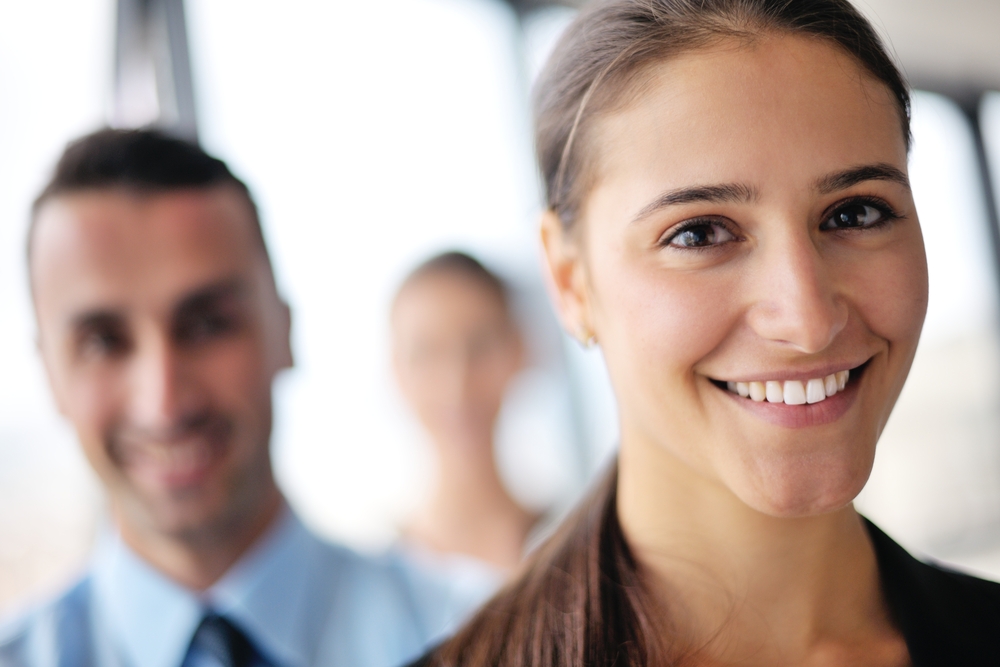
x=795, y=296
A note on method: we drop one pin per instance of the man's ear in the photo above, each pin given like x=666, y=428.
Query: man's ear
x=566, y=275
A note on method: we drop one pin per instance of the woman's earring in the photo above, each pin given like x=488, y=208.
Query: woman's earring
x=586, y=337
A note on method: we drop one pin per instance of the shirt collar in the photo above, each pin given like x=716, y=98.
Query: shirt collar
x=152, y=619
x=264, y=593
x=149, y=618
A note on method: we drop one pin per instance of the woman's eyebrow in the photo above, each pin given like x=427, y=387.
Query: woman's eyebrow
x=842, y=180
x=725, y=193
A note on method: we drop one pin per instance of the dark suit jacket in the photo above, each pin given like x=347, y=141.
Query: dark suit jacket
x=948, y=619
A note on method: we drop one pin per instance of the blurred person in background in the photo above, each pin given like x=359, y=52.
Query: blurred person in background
x=730, y=218
x=161, y=330
x=456, y=350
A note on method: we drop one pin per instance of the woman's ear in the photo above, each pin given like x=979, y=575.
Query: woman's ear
x=566, y=276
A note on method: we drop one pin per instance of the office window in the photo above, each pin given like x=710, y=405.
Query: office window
x=373, y=139
x=54, y=76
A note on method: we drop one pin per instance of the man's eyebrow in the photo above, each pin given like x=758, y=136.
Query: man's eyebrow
x=208, y=296
x=842, y=180
x=201, y=299
x=95, y=319
x=711, y=194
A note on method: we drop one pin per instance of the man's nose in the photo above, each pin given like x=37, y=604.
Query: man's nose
x=160, y=393
x=796, y=300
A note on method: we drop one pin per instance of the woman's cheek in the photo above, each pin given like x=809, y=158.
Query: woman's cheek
x=890, y=292
x=662, y=322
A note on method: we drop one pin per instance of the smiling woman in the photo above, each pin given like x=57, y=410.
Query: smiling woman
x=731, y=219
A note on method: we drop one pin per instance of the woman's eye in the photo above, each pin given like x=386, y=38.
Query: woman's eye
x=854, y=216
x=701, y=235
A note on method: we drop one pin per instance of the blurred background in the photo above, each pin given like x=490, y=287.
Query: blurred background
x=374, y=135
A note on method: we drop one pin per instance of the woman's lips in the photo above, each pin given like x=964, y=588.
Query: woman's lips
x=792, y=392
x=798, y=403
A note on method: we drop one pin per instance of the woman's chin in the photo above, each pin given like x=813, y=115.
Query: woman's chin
x=791, y=496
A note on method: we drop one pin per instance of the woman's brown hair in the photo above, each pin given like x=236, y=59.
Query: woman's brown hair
x=596, y=66
x=582, y=598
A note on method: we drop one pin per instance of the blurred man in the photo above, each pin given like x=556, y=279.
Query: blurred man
x=161, y=331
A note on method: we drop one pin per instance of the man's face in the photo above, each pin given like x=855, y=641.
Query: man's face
x=161, y=332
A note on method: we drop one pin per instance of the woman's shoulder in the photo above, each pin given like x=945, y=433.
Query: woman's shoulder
x=947, y=617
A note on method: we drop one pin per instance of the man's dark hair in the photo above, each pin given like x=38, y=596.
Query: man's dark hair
x=143, y=161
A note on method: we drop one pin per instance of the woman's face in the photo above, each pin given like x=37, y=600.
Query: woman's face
x=751, y=222
x=456, y=351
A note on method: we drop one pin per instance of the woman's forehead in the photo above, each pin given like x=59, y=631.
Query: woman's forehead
x=778, y=107
x=453, y=291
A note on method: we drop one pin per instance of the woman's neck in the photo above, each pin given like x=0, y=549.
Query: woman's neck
x=470, y=512
x=748, y=587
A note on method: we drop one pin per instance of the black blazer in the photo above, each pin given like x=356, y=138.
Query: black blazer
x=948, y=619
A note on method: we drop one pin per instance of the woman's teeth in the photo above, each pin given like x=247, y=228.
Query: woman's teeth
x=792, y=392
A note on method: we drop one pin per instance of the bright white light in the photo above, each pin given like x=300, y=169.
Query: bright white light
x=373, y=138
x=948, y=192
x=55, y=65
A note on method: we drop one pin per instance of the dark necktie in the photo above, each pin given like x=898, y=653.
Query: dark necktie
x=223, y=641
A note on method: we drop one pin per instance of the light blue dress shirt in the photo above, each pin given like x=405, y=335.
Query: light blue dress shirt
x=301, y=601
